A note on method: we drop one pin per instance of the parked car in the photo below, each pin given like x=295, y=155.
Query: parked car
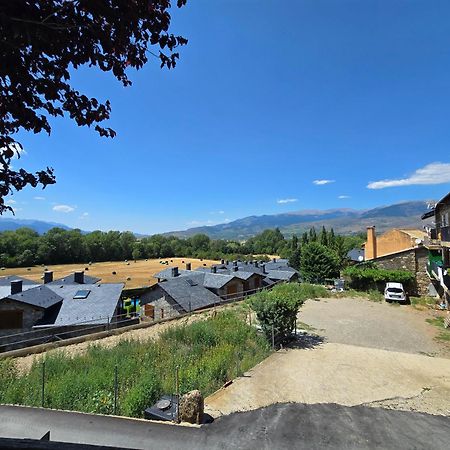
x=395, y=292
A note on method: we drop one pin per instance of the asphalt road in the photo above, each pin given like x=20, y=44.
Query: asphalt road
x=281, y=426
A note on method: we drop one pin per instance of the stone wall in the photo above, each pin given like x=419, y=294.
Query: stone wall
x=413, y=260
x=30, y=316
x=161, y=301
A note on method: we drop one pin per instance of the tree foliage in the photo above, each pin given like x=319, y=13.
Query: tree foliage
x=42, y=40
x=318, y=263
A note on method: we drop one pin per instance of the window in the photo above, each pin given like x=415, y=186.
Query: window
x=81, y=294
x=11, y=319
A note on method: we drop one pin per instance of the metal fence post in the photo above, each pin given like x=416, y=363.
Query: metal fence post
x=177, y=390
x=43, y=385
x=273, y=338
x=116, y=389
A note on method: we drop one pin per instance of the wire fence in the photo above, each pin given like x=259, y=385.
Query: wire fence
x=49, y=334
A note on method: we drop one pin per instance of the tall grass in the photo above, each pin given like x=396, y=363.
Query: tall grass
x=208, y=353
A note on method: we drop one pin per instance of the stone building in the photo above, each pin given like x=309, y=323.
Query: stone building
x=413, y=260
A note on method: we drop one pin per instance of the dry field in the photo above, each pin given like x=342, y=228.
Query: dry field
x=140, y=272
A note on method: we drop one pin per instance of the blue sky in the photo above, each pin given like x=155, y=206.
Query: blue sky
x=267, y=98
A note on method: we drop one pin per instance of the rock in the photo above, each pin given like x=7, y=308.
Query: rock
x=191, y=407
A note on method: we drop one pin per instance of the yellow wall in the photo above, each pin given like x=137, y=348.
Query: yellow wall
x=390, y=242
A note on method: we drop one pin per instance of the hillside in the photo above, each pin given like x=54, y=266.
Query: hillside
x=344, y=221
x=39, y=226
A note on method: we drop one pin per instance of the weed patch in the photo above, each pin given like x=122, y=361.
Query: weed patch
x=208, y=354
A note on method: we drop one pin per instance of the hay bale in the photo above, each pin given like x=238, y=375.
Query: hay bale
x=86, y=268
x=128, y=278
x=128, y=263
x=192, y=407
x=114, y=272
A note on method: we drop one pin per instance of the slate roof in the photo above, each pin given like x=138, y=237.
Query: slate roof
x=283, y=275
x=39, y=296
x=6, y=281
x=99, y=305
x=5, y=284
x=355, y=253
x=166, y=274
x=268, y=282
x=189, y=293
x=70, y=279
x=216, y=280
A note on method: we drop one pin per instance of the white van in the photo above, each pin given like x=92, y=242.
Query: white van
x=394, y=292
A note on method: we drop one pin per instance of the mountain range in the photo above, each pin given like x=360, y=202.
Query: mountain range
x=343, y=221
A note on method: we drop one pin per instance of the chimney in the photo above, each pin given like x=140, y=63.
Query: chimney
x=222, y=261
x=263, y=268
x=188, y=266
x=256, y=264
x=371, y=244
x=246, y=263
x=235, y=263
x=78, y=277
x=227, y=262
x=175, y=272
x=16, y=287
x=274, y=259
x=48, y=276
x=213, y=269
x=235, y=268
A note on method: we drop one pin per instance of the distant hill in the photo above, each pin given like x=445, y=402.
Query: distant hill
x=37, y=225
x=348, y=221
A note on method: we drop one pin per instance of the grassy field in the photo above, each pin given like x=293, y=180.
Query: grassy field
x=140, y=272
x=208, y=353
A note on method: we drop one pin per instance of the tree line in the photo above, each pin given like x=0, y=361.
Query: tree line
x=25, y=247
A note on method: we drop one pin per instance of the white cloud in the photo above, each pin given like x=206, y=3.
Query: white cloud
x=10, y=202
x=39, y=198
x=322, y=182
x=63, y=208
x=83, y=216
x=434, y=173
x=287, y=200
x=342, y=197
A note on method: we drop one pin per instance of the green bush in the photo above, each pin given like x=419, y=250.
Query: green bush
x=368, y=277
x=278, y=308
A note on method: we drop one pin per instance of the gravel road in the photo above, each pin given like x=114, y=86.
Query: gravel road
x=359, y=353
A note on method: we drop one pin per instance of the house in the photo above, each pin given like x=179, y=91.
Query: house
x=438, y=245
x=392, y=241
x=74, y=300
x=177, y=296
x=180, y=291
x=24, y=305
x=400, y=250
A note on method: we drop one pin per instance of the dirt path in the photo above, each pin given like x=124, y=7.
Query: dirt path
x=364, y=353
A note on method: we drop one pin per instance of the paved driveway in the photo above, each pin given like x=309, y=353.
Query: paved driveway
x=367, y=354
x=364, y=323
x=281, y=426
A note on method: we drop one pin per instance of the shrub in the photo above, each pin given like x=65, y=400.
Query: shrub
x=369, y=277
x=278, y=309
